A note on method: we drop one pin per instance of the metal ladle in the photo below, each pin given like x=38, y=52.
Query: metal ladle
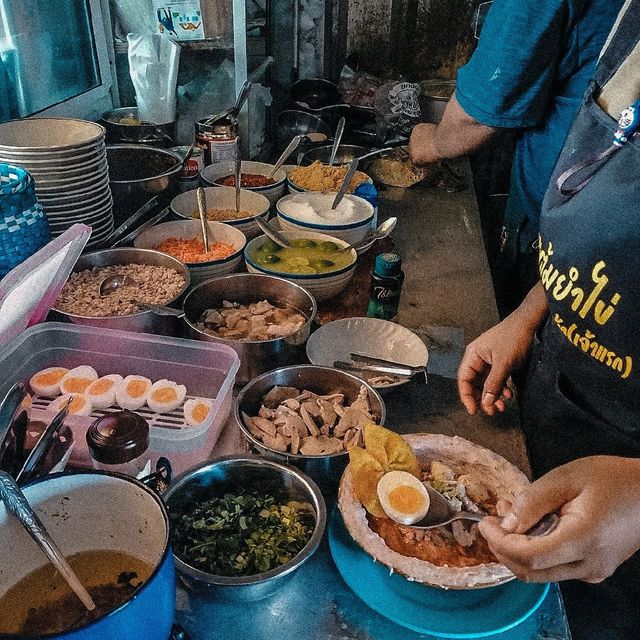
x=17, y=503
x=441, y=513
x=112, y=283
x=201, y=198
x=381, y=232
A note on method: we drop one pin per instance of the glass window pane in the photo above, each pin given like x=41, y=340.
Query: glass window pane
x=47, y=51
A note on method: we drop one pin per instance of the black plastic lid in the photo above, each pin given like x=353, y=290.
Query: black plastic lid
x=118, y=437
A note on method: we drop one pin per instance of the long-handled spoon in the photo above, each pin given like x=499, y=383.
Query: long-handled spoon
x=344, y=187
x=17, y=504
x=112, y=283
x=336, y=140
x=381, y=232
x=291, y=147
x=238, y=174
x=271, y=232
x=236, y=108
x=201, y=198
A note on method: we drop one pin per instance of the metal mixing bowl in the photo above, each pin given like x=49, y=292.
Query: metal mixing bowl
x=291, y=123
x=240, y=474
x=325, y=470
x=260, y=355
x=143, y=321
x=345, y=154
x=143, y=133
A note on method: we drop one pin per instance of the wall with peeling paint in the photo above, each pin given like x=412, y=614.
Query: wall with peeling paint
x=418, y=39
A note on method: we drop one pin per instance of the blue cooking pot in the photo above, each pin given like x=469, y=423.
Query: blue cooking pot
x=96, y=510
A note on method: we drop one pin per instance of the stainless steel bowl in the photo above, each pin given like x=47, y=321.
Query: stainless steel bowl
x=242, y=473
x=143, y=321
x=137, y=173
x=260, y=355
x=325, y=470
x=291, y=123
x=346, y=153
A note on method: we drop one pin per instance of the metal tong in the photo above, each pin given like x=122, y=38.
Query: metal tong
x=363, y=362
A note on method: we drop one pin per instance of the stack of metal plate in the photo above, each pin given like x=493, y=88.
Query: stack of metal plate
x=68, y=162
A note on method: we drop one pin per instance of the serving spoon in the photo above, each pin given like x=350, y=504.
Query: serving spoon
x=344, y=187
x=272, y=233
x=291, y=147
x=336, y=141
x=201, y=198
x=17, y=503
x=112, y=283
x=441, y=513
x=373, y=236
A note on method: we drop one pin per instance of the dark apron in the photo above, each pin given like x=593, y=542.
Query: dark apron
x=583, y=392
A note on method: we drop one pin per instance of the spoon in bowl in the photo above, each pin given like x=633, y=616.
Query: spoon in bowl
x=271, y=232
x=441, y=513
x=201, y=198
x=16, y=502
x=291, y=147
x=112, y=283
x=372, y=236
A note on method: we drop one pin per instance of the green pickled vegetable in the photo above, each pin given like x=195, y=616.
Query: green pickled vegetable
x=328, y=247
x=242, y=535
x=270, y=246
x=322, y=265
x=303, y=243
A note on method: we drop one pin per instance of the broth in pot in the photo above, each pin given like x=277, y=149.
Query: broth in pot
x=43, y=603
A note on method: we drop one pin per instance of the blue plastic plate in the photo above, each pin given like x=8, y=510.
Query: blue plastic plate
x=473, y=613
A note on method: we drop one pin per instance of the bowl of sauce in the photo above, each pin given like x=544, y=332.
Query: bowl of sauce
x=253, y=177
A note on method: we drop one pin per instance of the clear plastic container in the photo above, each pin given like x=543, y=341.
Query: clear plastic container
x=207, y=369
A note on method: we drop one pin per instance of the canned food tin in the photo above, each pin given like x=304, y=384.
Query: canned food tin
x=189, y=176
x=217, y=140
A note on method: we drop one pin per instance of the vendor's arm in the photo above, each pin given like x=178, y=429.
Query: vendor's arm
x=598, y=499
x=458, y=134
x=508, y=83
x=490, y=359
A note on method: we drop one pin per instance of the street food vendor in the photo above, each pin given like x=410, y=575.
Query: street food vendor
x=528, y=73
x=581, y=404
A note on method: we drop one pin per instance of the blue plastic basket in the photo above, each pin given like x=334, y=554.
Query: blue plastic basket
x=24, y=227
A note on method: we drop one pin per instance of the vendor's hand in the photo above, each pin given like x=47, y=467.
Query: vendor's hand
x=422, y=144
x=488, y=362
x=598, y=499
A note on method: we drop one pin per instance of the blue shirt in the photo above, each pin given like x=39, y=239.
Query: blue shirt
x=530, y=70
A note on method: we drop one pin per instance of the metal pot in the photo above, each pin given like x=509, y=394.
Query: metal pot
x=246, y=288
x=138, y=173
x=88, y=511
x=143, y=321
x=315, y=92
x=243, y=473
x=325, y=470
x=435, y=97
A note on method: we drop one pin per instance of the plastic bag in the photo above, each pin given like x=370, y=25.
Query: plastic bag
x=358, y=88
x=153, y=66
x=28, y=292
x=397, y=109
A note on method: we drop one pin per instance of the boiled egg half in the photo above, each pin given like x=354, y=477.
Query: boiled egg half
x=46, y=383
x=196, y=411
x=102, y=392
x=80, y=405
x=165, y=396
x=78, y=380
x=403, y=497
x=132, y=392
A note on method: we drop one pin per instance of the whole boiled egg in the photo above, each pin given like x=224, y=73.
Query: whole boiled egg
x=403, y=497
x=46, y=383
x=132, y=392
x=77, y=380
x=102, y=392
x=196, y=411
x=80, y=405
x=165, y=396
